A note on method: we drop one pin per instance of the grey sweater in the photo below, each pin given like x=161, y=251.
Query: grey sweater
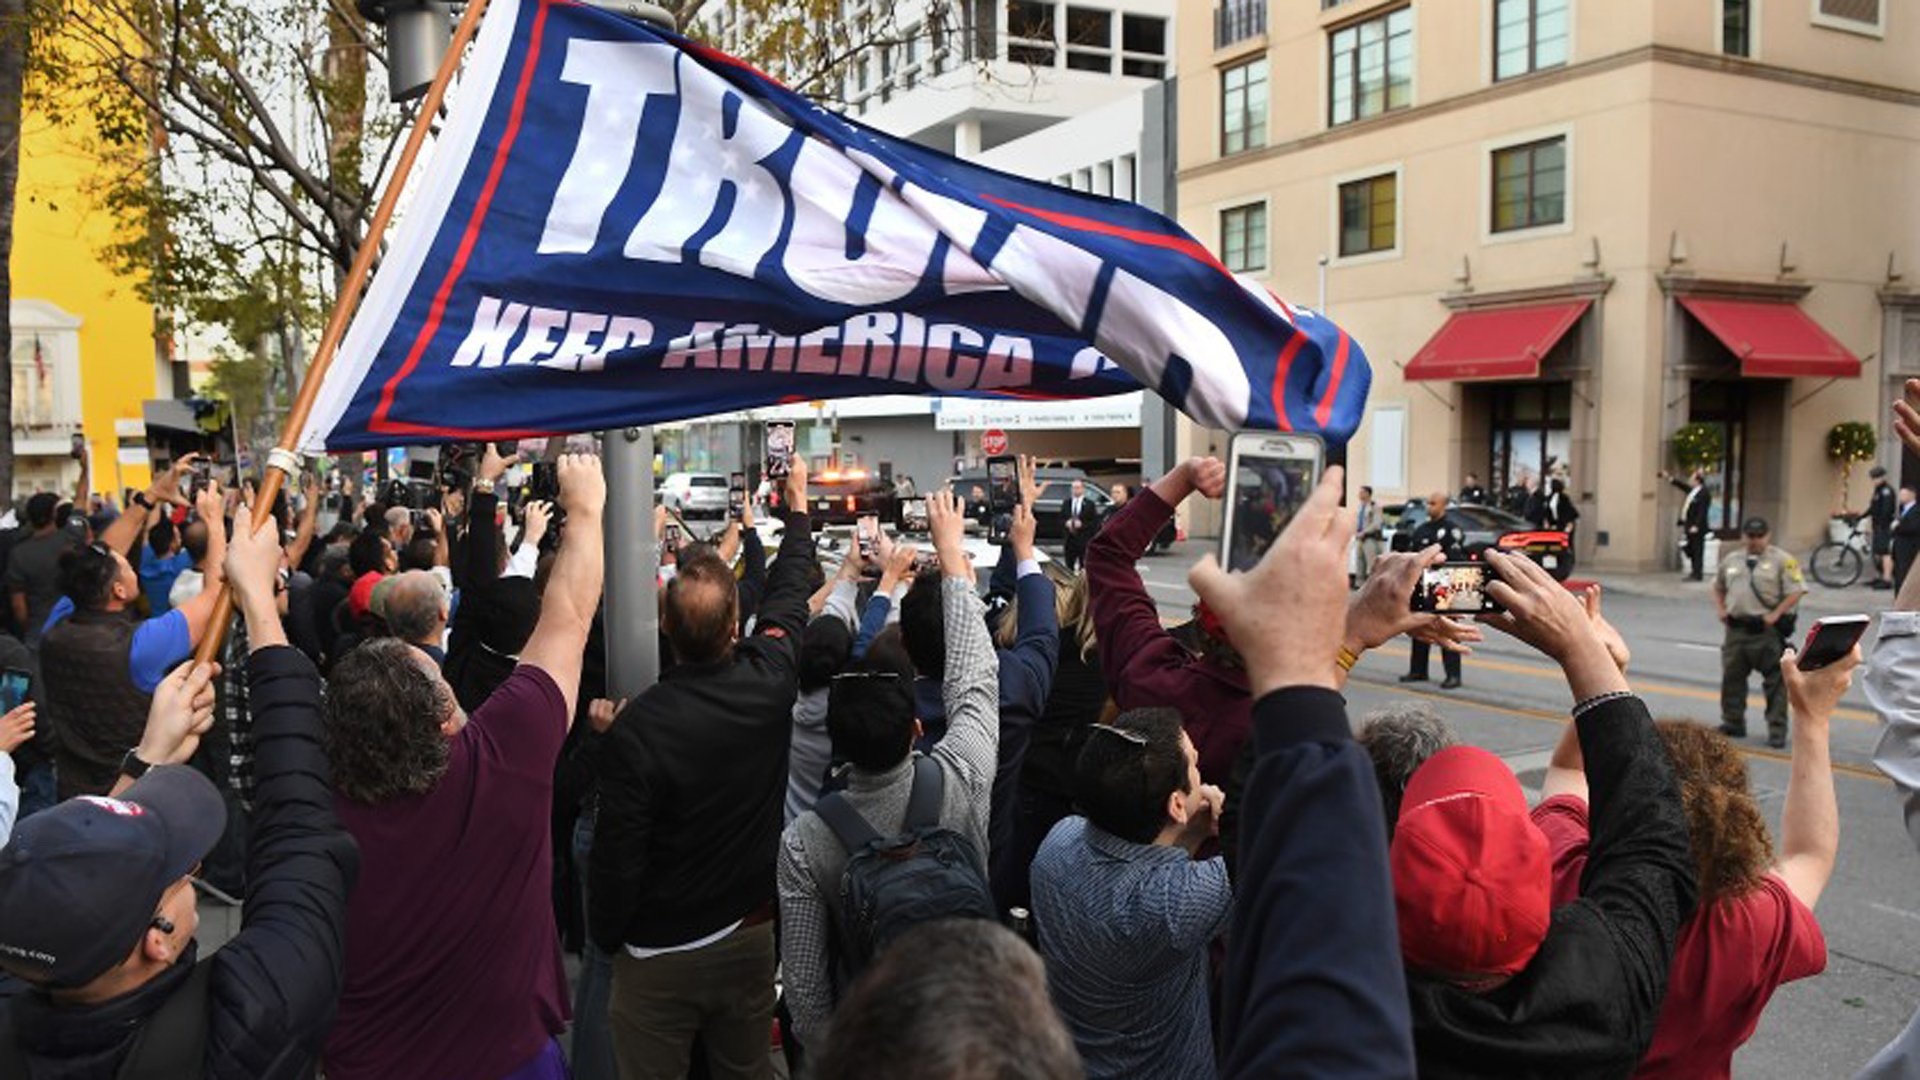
x=812, y=859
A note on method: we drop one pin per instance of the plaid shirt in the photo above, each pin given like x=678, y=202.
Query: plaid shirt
x=234, y=713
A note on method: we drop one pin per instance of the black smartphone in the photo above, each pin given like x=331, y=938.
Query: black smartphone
x=670, y=536
x=736, y=495
x=779, y=449
x=1003, y=494
x=868, y=531
x=1830, y=639
x=1455, y=588
x=1269, y=477
x=202, y=476
x=544, y=483
x=15, y=685
x=913, y=515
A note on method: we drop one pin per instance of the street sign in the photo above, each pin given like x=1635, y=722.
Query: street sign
x=993, y=442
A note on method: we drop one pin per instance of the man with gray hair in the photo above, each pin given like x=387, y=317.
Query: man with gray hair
x=1400, y=738
x=415, y=608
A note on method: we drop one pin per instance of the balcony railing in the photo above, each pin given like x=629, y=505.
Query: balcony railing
x=1238, y=20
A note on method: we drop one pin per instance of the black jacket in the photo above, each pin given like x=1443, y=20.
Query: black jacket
x=1882, y=507
x=1587, y=1003
x=1693, y=514
x=276, y=984
x=1440, y=531
x=693, y=781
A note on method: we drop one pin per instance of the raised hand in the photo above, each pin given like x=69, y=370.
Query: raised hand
x=1542, y=613
x=601, y=713
x=16, y=727
x=181, y=712
x=1609, y=634
x=898, y=566
x=1209, y=476
x=1382, y=610
x=583, y=487
x=492, y=465
x=252, y=561
x=1029, y=487
x=795, y=496
x=1021, y=533
x=1816, y=694
x=1288, y=614
x=948, y=524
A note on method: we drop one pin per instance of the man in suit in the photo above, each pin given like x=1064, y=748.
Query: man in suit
x=1881, y=509
x=1906, y=536
x=1081, y=519
x=1693, y=519
x=1452, y=542
x=1369, y=531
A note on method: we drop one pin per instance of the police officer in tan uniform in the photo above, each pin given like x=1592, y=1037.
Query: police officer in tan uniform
x=1755, y=591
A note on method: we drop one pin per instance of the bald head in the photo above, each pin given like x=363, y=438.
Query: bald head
x=700, y=612
x=416, y=607
x=1437, y=503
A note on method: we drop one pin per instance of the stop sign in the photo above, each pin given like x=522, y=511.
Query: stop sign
x=993, y=442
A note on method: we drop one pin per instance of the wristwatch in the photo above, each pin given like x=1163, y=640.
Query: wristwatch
x=140, y=500
x=132, y=767
x=483, y=486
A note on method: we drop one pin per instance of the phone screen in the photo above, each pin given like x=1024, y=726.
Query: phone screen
x=1455, y=589
x=671, y=536
x=779, y=449
x=869, y=530
x=1830, y=639
x=15, y=684
x=913, y=515
x=1268, y=478
x=1003, y=484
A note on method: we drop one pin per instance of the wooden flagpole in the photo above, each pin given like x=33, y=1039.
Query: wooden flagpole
x=283, y=460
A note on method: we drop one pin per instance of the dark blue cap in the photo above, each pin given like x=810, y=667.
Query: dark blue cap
x=80, y=882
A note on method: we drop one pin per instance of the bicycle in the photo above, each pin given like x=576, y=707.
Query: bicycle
x=1838, y=563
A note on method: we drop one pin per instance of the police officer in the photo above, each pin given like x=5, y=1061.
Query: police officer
x=1471, y=493
x=1437, y=530
x=1881, y=509
x=1755, y=591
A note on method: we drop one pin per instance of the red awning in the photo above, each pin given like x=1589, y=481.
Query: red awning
x=1497, y=343
x=1774, y=340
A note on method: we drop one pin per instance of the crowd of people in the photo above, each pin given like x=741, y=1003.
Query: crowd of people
x=907, y=822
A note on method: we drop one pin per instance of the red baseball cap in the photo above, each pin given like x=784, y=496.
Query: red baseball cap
x=1472, y=876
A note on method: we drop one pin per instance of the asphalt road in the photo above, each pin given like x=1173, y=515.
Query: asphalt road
x=1514, y=703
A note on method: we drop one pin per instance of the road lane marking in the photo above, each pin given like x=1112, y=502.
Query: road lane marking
x=1902, y=912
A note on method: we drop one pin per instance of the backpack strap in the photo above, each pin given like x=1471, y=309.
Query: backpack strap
x=847, y=824
x=173, y=1041
x=929, y=791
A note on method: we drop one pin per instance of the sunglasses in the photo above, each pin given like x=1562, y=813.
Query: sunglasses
x=1133, y=737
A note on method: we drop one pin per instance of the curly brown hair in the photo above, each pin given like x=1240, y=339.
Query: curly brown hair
x=383, y=719
x=1731, y=847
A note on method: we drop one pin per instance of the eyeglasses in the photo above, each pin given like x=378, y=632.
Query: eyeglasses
x=1133, y=737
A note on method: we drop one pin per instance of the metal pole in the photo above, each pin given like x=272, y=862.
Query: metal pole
x=1321, y=307
x=633, y=563
x=633, y=551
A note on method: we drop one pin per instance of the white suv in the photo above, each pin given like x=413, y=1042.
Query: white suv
x=697, y=494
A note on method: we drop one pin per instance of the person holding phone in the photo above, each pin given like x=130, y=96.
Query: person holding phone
x=1754, y=593
x=1438, y=532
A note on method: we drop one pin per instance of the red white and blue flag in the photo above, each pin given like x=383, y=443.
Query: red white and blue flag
x=619, y=226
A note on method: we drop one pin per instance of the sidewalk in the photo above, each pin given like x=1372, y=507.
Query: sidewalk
x=1669, y=585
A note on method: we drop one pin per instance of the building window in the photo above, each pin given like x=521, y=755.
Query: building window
x=1243, y=238
x=1372, y=67
x=32, y=382
x=1144, y=40
x=1529, y=35
x=1530, y=185
x=1030, y=33
x=1243, y=107
x=1089, y=39
x=1238, y=20
x=1861, y=16
x=1736, y=27
x=1369, y=215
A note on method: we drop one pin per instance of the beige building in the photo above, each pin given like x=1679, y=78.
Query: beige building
x=1562, y=229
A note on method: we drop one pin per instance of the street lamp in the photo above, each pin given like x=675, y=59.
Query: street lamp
x=417, y=36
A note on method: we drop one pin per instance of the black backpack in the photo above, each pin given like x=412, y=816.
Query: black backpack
x=928, y=872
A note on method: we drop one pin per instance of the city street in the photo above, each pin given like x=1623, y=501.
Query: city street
x=1514, y=703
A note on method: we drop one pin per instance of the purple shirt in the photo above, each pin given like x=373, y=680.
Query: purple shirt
x=453, y=961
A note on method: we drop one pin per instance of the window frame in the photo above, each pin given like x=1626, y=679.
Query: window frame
x=1753, y=30
x=1834, y=22
x=1376, y=172
x=1533, y=40
x=1250, y=133
x=1266, y=236
x=1517, y=140
x=1329, y=55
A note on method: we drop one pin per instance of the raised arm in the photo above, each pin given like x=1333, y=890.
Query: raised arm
x=1810, y=821
x=971, y=689
x=1026, y=670
x=559, y=638
x=126, y=531
x=784, y=607
x=1315, y=973
x=1125, y=617
x=753, y=563
x=309, y=517
x=199, y=611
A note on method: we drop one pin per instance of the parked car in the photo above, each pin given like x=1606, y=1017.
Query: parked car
x=1488, y=527
x=842, y=496
x=695, y=494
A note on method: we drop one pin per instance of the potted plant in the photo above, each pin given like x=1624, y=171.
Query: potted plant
x=1699, y=446
x=1849, y=443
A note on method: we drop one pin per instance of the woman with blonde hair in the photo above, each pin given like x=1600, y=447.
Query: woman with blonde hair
x=1078, y=697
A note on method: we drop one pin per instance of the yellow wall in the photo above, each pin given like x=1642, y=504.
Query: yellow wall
x=57, y=237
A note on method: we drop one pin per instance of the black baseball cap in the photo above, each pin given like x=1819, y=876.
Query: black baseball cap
x=1877, y=471
x=79, y=883
x=1755, y=526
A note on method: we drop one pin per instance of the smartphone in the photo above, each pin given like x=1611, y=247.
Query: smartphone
x=15, y=685
x=544, y=482
x=1003, y=494
x=913, y=515
x=1831, y=639
x=736, y=495
x=1269, y=477
x=670, y=536
x=1455, y=588
x=202, y=476
x=868, y=530
x=779, y=449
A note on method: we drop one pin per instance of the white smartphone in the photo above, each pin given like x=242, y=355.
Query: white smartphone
x=1269, y=476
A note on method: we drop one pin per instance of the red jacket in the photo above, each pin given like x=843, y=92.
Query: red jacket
x=1143, y=664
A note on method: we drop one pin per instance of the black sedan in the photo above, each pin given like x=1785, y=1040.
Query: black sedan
x=1487, y=527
